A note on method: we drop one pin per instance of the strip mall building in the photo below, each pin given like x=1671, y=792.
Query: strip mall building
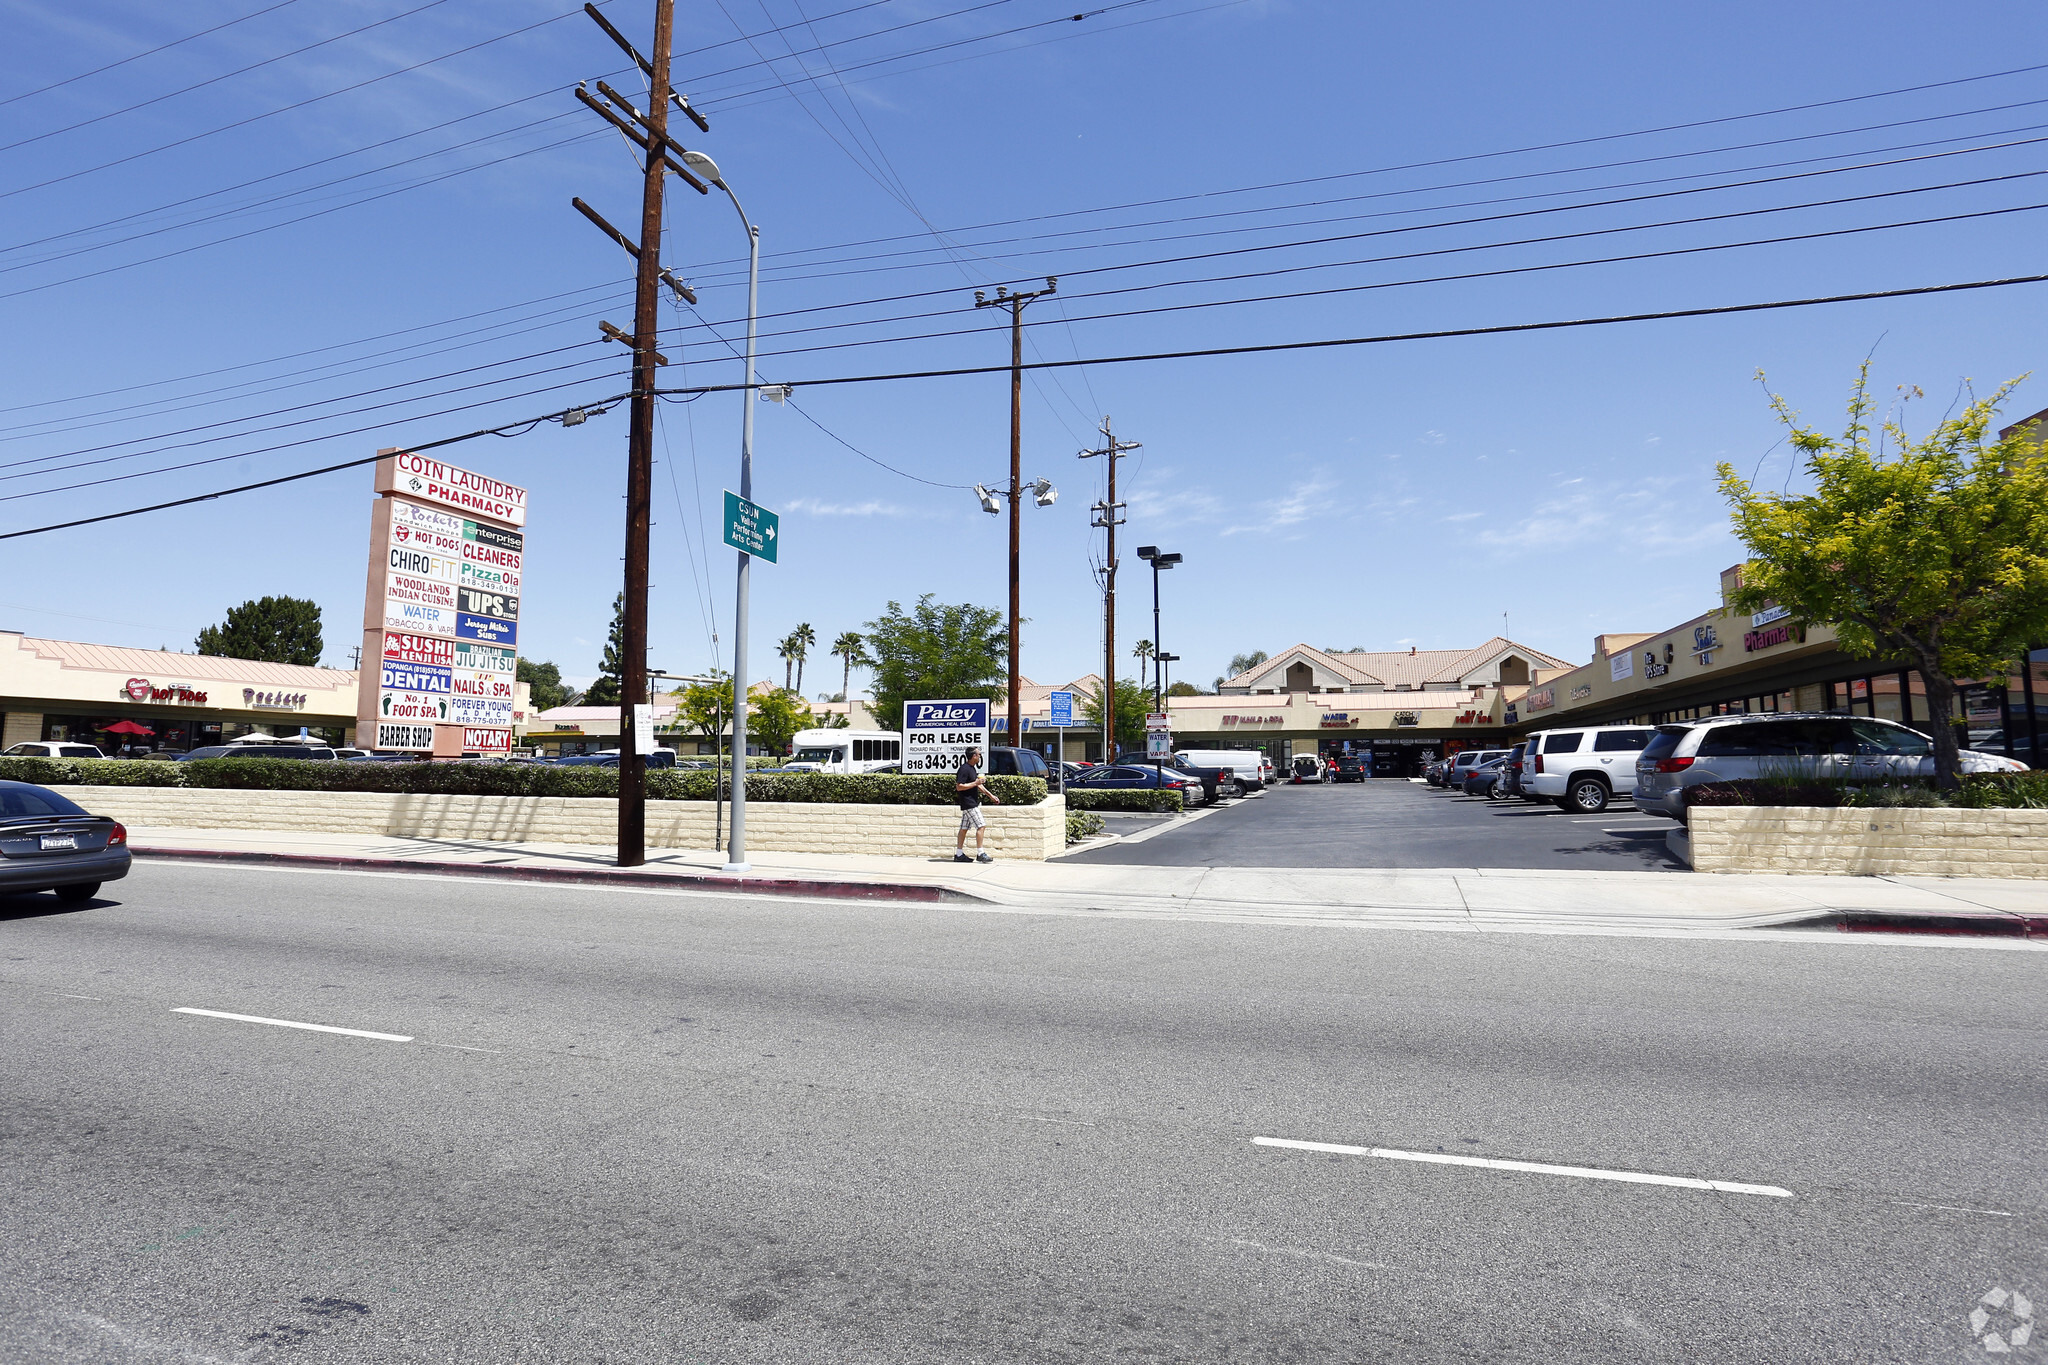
x=1400, y=707
x=69, y=690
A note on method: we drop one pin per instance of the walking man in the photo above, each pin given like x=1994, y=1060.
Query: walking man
x=972, y=787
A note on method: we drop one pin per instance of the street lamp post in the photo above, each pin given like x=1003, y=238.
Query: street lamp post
x=1045, y=495
x=1158, y=561
x=736, y=844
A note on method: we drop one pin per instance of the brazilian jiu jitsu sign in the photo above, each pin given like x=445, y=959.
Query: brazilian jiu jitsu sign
x=938, y=734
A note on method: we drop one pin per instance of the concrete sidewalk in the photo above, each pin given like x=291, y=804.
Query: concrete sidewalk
x=1469, y=899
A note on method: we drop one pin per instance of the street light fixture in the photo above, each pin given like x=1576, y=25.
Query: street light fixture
x=1158, y=561
x=1045, y=495
x=736, y=846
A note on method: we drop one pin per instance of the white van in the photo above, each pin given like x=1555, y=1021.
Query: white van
x=845, y=751
x=1247, y=766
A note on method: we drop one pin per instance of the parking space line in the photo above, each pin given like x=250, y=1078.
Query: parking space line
x=293, y=1023
x=1531, y=1167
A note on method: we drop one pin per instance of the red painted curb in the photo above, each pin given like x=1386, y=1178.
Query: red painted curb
x=695, y=881
x=1989, y=924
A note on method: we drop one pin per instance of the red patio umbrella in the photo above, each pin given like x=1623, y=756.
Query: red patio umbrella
x=128, y=727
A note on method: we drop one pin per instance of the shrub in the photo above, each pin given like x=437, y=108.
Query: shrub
x=1994, y=791
x=1129, y=799
x=1081, y=824
x=506, y=779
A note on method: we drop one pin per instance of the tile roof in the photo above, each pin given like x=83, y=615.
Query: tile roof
x=141, y=662
x=1392, y=668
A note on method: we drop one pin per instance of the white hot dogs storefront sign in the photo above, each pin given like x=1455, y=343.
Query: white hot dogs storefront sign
x=441, y=609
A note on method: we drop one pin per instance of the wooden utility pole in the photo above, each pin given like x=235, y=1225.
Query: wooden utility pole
x=1108, y=515
x=649, y=132
x=1015, y=303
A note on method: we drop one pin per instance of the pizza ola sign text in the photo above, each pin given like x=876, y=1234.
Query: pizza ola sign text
x=416, y=476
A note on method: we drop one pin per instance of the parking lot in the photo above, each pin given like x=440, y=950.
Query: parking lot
x=1388, y=823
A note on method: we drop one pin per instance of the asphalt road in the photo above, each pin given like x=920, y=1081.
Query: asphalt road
x=1392, y=823
x=664, y=1127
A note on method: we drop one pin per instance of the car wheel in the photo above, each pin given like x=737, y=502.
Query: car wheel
x=78, y=891
x=1587, y=795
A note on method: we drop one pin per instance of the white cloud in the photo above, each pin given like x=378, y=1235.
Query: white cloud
x=1305, y=500
x=1464, y=516
x=819, y=508
x=1432, y=437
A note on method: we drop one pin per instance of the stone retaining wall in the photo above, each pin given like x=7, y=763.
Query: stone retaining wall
x=1928, y=843
x=1032, y=833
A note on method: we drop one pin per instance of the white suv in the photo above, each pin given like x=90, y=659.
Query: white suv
x=46, y=748
x=1585, y=768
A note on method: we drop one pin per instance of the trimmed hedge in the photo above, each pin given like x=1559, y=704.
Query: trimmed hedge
x=1980, y=791
x=502, y=779
x=1081, y=824
x=1120, y=798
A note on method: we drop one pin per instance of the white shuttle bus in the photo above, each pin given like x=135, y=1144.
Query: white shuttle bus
x=845, y=751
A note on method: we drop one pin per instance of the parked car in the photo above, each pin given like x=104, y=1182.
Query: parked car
x=1130, y=777
x=1478, y=779
x=53, y=748
x=1821, y=745
x=1434, y=770
x=1307, y=768
x=1582, y=768
x=1247, y=767
x=51, y=843
x=317, y=752
x=609, y=758
x=1350, y=768
x=1004, y=762
x=1459, y=764
x=1509, y=783
x=1217, y=783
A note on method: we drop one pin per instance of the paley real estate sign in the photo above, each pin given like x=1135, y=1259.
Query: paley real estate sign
x=441, y=609
x=938, y=734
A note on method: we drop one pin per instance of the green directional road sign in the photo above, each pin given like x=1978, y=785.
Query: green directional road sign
x=750, y=527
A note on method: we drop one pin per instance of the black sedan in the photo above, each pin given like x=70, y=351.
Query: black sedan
x=47, y=843
x=1119, y=777
x=1351, y=768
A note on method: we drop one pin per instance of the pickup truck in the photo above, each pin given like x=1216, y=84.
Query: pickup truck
x=1215, y=781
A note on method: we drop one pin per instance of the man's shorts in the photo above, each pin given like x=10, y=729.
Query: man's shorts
x=971, y=818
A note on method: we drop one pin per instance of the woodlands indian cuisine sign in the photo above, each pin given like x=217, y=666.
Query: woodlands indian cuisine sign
x=441, y=609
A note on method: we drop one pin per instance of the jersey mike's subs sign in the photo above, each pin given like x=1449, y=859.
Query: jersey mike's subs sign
x=441, y=609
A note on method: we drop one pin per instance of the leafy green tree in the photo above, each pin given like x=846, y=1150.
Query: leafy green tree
x=705, y=708
x=936, y=651
x=272, y=630
x=1935, y=553
x=1185, y=689
x=773, y=718
x=544, y=684
x=851, y=648
x=1133, y=703
x=610, y=687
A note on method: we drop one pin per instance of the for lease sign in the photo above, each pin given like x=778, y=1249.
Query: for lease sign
x=938, y=734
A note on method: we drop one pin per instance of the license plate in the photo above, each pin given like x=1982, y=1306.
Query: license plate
x=57, y=841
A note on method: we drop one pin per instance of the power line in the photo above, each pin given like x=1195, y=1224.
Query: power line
x=1270, y=347
x=585, y=410
x=146, y=52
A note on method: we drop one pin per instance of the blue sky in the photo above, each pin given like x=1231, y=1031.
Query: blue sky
x=168, y=310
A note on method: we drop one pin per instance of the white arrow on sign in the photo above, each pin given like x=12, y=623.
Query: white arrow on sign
x=770, y=533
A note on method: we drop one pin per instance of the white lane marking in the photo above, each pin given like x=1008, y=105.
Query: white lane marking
x=1041, y=1118
x=457, y=1047
x=81, y=997
x=1535, y=1167
x=293, y=1023
x=1309, y=1255
x=1950, y=1208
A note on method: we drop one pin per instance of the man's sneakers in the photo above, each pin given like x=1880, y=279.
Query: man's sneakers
x=960, y=856
x=983, y=857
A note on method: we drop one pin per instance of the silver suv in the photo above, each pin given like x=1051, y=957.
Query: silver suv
x=1821, y=746
x=1582, y=769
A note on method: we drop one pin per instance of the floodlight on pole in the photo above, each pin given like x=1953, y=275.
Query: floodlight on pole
x=988, y=500
x=1044, y=494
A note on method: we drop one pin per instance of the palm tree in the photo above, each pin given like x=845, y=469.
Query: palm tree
x=1144, y=649
x=1244, y=663
x=805, y=637
x=788, y=649
x=852, y=648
